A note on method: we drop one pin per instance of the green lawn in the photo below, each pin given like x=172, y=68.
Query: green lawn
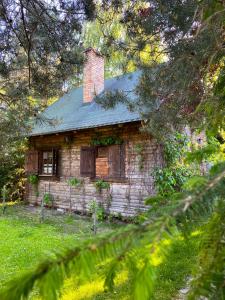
x=24, y=242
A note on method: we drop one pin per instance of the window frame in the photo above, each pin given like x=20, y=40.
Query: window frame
x=55, y=162
x=47, y=163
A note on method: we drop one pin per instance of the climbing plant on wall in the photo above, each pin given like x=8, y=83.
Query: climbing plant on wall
x=139, y=149
x=171, y=177
x=106, y=141
x=33, y=179
x=75, y=182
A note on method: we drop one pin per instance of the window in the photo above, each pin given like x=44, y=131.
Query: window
x=103, y=162
x=42, y=162
x=48, y=162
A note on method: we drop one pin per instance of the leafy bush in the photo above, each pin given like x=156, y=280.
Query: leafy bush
x=12, y=173
x=101, y=184
x=33, y=179
x=100, y=213
x=175, y=147
x=75, y=182
x=48, y=199
x=170, y=180
x=16, y=185
x=97, y=209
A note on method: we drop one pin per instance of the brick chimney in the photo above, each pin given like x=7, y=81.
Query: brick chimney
x=93, y=75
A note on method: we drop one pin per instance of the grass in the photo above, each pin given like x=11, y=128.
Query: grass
x=25, y=242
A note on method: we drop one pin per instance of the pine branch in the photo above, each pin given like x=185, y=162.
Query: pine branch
x=28, y=42
x=210, y=278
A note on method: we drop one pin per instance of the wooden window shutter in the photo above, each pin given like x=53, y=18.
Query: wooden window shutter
x=117, y=161
x=31, y=162
x=40, y=162
x=55, y=161
x=87, y=162
x=122, y=160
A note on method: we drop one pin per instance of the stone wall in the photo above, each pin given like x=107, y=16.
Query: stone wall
x=124, y=196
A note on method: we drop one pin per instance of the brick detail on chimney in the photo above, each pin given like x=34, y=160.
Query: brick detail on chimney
x=93, y=75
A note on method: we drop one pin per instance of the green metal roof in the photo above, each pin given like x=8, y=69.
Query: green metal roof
x=70, y=113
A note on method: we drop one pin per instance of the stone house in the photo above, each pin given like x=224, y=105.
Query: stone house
x=85, y=144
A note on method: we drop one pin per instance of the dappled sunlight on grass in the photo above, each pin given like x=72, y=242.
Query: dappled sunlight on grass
x=196, y=233
x=90, y=289
x=166, y=242
x=156, y=259
x=26, y=242
x=157, y=256
x=171, y=274
x=84, y=291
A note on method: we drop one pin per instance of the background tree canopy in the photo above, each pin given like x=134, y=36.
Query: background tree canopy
x=40, y=54
x=187, y=87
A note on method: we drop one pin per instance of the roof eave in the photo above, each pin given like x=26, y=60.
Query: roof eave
x=84, y=127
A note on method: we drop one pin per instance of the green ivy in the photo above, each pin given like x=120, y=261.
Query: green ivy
x=101, y=184
x=33, y=179
x=75, y=182
x=171, y=178
x=175, y=147
x=100, y=213
x=139, y=149
x=48, y=199
x=106, y=141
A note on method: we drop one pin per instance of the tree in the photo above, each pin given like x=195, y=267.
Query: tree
x=94, y=32
x=40, y=53
x=187, y=88
x=41, y=45
x=109, y=34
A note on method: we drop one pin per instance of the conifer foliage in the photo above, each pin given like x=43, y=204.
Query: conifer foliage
x=182, y=82
x=40, y=45
x=40, y=51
